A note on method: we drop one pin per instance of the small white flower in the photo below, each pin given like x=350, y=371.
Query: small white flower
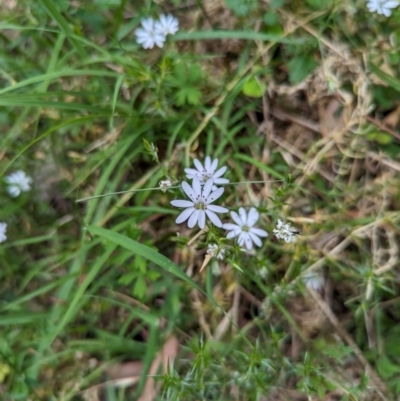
x=3, y=229
x=199, y=205
x=203, y=173
x=383, y=7
x=167, y=24
x=314, y=280
x=215, y=251
x=164, y=185
x=18, y=182
x=147, y=36
x=284, y=231
x=244, y=228
x=263, y=272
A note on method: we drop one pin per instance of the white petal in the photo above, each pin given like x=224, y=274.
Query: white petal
x=147, y=23
x=249, y=243
x=259, y=232
x=243, y=215
x=214, y=218
x=220, y=172
x=182, y=203
x=193, y=219
x=242, y=238
x=215, y=195
x=230, y=226
x=255, y=239
x=236, y=219
x=184, y=215
x=202, y=219
x=220, y=181
x=207, y=163
x=392, y=3
x=188, y=191
x=191, y=172
x=198, y=165
x=217, y=209
x=207, y=188
x=196, y=187
x=214, y=165
x=232, y=234
x=252, y=217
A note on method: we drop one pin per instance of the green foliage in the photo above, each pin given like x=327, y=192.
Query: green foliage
x=186, y=80
x=300, y=67
x=242, y=8
x=95, y=272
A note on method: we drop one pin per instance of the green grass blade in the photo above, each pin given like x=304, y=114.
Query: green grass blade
x=144, y=251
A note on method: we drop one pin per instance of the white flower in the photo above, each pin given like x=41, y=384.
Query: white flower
x=18, y=182
x=148, y=36
x=3, y=229
x=167, y=24
x=263, y=272
x=244, y=228
x=314, y=280
x=284, y=231
x=199, y=205
x=215, y=251
x=382, y=6
x=164, y=185
x=203, y=173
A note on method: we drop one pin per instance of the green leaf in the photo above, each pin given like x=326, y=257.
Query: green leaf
x=241, y=8
x=253, y=87
x=140, y=287
x=388, y=79
x=386, y=368
x=300, y=67
x=195, y=73
x=188, y=96
x=383, y=138
x=107, y=4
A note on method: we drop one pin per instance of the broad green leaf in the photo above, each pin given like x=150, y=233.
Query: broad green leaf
x=253, y=87
x=300, y=67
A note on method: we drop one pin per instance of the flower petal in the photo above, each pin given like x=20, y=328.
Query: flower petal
x=192, y=171
x=202, y=219
x=252, y=217
x=230, y=226
x=207, y=163
x=236, y=219
x=220, y=181
x=217, y=209
x=184, y=215
x=182, y=203
x=188, y=191
x=259, y=232
x=243, y=215
x=215, y=195
x=214, y=218
x=193, y=218
x=198, y=165
x=196, y=187
x=220, y=172
x=207, y=188
x=232, y=234
x=255, y=239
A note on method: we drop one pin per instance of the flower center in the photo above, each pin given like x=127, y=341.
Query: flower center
x=245, y=228
x=200, y=206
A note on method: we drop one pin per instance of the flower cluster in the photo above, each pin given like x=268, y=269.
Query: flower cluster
x=383, y=7
x=3, y=229
x=206, y=177
x=155, y=32
x=285, y=231
x=17, y=182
